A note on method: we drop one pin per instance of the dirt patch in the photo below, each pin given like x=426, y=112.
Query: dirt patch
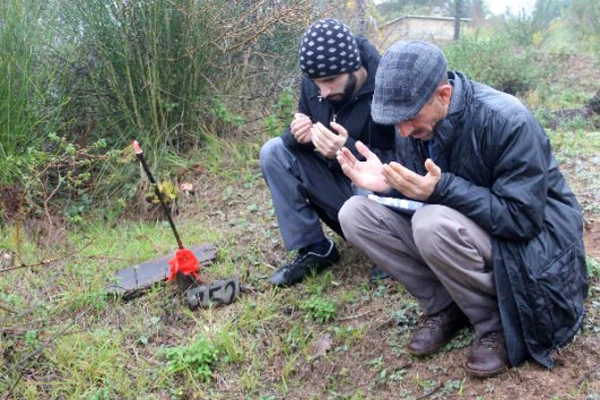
x=591, y=236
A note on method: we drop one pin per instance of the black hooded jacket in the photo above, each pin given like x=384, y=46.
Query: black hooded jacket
x=355, y=115
x=498, y=169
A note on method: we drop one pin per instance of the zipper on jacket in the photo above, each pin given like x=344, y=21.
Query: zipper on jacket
x=342, y=107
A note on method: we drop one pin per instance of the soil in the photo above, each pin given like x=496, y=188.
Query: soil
x=343, y=374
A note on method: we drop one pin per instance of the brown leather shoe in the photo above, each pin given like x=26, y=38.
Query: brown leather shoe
x=488, y=356
x=437, y=330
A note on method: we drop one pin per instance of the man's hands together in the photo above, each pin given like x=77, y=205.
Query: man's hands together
x=325, y=141
x=301, y=127
x=411, y=184
x=371, y=174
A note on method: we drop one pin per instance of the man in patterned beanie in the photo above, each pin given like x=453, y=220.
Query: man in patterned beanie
x=306, y=182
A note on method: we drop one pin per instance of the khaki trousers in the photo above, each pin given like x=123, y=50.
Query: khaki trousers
x=439, y=255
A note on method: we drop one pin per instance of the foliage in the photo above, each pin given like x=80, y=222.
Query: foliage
x=493, y=61
x=62, y=174
x=396, y=8
x=161, y=71
x=523, y=27
x=587, y=21
x=282, y=114
x=320, y=309
x=593, y=267
x=29, y=105
x=197, y=358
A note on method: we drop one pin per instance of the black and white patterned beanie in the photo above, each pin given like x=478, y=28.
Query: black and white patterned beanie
x=328, y=48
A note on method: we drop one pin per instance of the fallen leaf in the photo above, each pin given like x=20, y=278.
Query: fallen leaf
x=186, y=187
x=321, y=345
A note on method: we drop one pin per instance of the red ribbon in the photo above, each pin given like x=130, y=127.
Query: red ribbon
x=185, y=262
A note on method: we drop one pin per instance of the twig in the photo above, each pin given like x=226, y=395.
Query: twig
x=99, y=257
x=46, y=262
x=587, y=375
x=3, y=307
x=432, y=391
x=356, y=316
x=384, y=324
x=12, y=389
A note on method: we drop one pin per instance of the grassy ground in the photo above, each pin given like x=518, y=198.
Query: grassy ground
x=332, y=337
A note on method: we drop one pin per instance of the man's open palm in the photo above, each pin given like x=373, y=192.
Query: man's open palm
x=366, y=174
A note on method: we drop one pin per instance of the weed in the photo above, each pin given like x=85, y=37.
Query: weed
x=593, y=267
x=197, y=358
x=348, y=335
x=282, y=113
x=406, y=316
x=320, y=309
x=101, y=394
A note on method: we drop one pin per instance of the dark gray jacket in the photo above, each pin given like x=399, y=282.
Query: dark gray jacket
x=355, y=115
x=499, y=170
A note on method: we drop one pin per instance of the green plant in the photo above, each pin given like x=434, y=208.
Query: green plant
x=197, y=358
x=593, y=267
x=320, y=309
x=282, y=113
x=495, y=61
x=100, y=394
x=226, y=119
x=27, y=112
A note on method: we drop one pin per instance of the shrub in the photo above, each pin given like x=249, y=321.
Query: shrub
x=283, y=112
x=495, y=61
x=29, y=102
x=164, y=72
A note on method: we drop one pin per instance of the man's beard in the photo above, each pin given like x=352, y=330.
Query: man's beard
x=347, y=94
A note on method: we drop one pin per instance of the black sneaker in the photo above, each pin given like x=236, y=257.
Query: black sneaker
x=304, y=264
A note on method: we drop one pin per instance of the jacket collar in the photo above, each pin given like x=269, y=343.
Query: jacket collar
x=446, y=131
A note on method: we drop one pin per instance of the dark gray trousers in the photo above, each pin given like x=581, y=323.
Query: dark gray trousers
x=439, y=255
x=304, y=190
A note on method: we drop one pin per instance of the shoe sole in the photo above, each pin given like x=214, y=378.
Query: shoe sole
x=427, y=352
x=485, y=374
x=464, y=324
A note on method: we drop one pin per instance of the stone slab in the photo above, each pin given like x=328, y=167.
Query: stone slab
x=134, y=280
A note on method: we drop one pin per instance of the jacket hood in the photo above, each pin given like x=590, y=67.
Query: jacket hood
x=445, y=131
x=370, y=60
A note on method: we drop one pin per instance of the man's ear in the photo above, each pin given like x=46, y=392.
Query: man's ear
x=444, y=93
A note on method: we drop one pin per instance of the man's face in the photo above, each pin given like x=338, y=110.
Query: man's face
x=422, y=125
x=337, y=89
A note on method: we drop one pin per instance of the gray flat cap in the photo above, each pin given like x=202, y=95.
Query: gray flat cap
x=408, y=75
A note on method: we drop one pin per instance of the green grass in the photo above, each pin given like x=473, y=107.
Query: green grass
x=88, y=345
x=27, y=114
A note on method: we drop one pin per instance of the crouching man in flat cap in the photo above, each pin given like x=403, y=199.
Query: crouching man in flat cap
x=496, y=238
x=306, y=182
